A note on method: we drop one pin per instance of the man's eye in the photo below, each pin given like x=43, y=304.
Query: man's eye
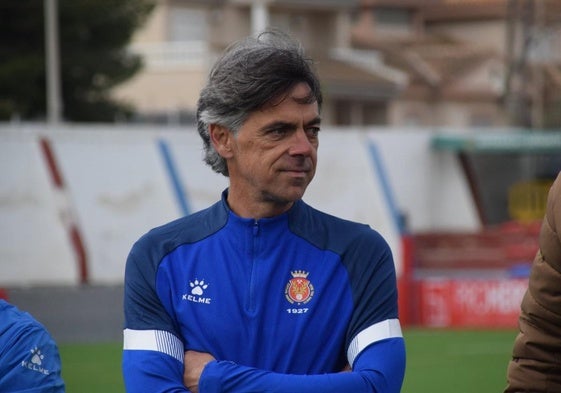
x=277, y=132
x=313, y=131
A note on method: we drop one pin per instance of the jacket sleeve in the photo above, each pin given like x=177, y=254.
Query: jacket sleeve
x=537, y=348
x=152, y=349
x=152, y=371
x=379, y=368
x=30, y=360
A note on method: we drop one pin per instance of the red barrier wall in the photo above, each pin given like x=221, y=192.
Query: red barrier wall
x=470, y=303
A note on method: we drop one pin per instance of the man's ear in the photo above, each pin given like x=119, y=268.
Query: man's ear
x=221, y=138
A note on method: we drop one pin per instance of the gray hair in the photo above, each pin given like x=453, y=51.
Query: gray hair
x=250, y=74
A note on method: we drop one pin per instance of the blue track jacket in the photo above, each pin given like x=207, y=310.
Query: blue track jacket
x=29, y=358
x=282, y=303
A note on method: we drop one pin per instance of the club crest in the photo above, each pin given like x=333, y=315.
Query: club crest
x=299, y=289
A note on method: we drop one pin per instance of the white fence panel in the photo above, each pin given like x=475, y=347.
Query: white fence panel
x=34, y=245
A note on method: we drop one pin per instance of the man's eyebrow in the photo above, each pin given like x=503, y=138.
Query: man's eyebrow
x=280, y=124
x=315, y=121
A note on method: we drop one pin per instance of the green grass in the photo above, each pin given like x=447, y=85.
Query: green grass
x=92, y=368
x=459, y=361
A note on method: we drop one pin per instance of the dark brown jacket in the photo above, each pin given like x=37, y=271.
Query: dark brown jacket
x=536, y=356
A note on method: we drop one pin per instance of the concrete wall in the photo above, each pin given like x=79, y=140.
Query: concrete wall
x=118, y=182
x=33, y=242
x=429, y=187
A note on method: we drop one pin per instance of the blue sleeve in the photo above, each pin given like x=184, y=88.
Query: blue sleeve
x=29, y=359
x=152, y=371
x=379, y=368
x=152, y=350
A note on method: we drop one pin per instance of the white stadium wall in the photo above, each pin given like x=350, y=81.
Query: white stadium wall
x=34, y=247
x=119, y=182
x=349, y=185
x=118, y=189
x=429, y=186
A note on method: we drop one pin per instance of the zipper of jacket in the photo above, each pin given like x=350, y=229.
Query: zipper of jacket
x=253, y=276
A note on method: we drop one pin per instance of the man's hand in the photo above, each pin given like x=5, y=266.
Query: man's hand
x=195, y=362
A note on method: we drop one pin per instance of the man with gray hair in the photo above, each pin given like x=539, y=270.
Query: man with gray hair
x=261, y=292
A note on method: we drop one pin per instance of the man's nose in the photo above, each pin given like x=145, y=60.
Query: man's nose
x=300, y=144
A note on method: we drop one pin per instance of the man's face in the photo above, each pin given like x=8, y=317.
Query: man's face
x=274, y=153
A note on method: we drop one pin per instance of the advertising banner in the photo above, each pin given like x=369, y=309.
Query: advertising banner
x=471, y=303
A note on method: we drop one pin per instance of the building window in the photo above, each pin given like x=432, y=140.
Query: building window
x=375, y=114
x=187, y=24
x=393, y=17
x=357, y=113
x=481, y=119
x=342, y=113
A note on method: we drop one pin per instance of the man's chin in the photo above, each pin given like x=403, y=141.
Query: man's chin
x=288, y=195
x=294, y=193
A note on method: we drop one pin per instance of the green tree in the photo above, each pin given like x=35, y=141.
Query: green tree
x=93, y=57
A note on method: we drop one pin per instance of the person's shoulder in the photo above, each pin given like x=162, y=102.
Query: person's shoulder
x=30, y=356
x=17, y=326
x=330, y=231
x=329, y=221
x=187, y=229
x=12, y=316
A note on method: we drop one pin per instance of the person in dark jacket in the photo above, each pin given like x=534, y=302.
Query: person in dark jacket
x=536, y=358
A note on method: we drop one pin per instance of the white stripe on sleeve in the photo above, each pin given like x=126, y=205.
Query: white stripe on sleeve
x=153, y=340
x=379, y=331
